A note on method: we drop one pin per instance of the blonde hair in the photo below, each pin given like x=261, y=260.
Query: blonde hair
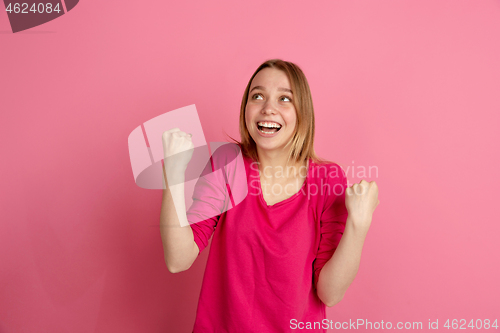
x=302, y=142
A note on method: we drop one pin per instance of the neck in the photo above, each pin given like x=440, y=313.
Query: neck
x=273, y=164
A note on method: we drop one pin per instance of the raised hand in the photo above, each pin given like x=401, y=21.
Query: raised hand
x=361, y=200
x=177, y=150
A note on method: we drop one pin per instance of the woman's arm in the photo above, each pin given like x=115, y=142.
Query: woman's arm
x=338, y=273
x=179, y=247
x=340, y=270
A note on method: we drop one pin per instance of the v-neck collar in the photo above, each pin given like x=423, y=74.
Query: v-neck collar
x=282, y=202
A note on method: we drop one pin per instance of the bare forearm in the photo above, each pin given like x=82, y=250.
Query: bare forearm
x=179, y=247
x=339, y=272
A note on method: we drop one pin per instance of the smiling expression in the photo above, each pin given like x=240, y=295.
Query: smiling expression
x=270, y=104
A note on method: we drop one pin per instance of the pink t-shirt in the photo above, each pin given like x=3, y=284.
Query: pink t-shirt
x=264, y=261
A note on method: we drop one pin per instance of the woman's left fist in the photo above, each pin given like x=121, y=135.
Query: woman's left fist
x=361, y=200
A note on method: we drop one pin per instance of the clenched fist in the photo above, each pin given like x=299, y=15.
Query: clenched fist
x=177, y=150
x=361, y=200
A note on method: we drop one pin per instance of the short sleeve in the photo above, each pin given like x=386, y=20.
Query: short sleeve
x=202, y=204
x=333, y=218
x=210, y=199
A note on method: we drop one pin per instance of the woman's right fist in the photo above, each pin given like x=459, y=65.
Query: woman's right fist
x=177, y=149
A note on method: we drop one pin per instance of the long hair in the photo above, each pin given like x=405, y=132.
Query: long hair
x=302, y=141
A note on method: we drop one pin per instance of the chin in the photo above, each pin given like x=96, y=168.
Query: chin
x=269, y=145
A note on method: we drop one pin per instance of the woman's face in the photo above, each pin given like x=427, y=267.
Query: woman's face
x=270, y=104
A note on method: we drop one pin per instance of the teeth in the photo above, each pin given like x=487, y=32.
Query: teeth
x=269, y=125
x=267, y=132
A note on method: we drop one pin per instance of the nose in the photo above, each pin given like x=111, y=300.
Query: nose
x=268, y=109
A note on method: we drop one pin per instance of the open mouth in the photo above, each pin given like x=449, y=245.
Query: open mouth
x=268, y=128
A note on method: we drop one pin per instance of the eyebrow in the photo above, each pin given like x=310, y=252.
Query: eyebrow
x=279, y=89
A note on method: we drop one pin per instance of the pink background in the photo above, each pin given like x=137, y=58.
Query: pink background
x=411, y=87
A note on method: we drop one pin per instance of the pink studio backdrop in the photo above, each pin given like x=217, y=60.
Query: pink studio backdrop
x=410, y=87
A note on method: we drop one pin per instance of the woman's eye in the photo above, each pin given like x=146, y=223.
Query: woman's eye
x=289, y=99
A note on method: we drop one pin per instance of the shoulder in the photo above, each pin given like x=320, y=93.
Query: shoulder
x=327, y=172
x=224, y=154
x=229, y=157
x=331, y=179
x=224, y=150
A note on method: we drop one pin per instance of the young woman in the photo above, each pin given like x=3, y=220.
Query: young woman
x=293, y=245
